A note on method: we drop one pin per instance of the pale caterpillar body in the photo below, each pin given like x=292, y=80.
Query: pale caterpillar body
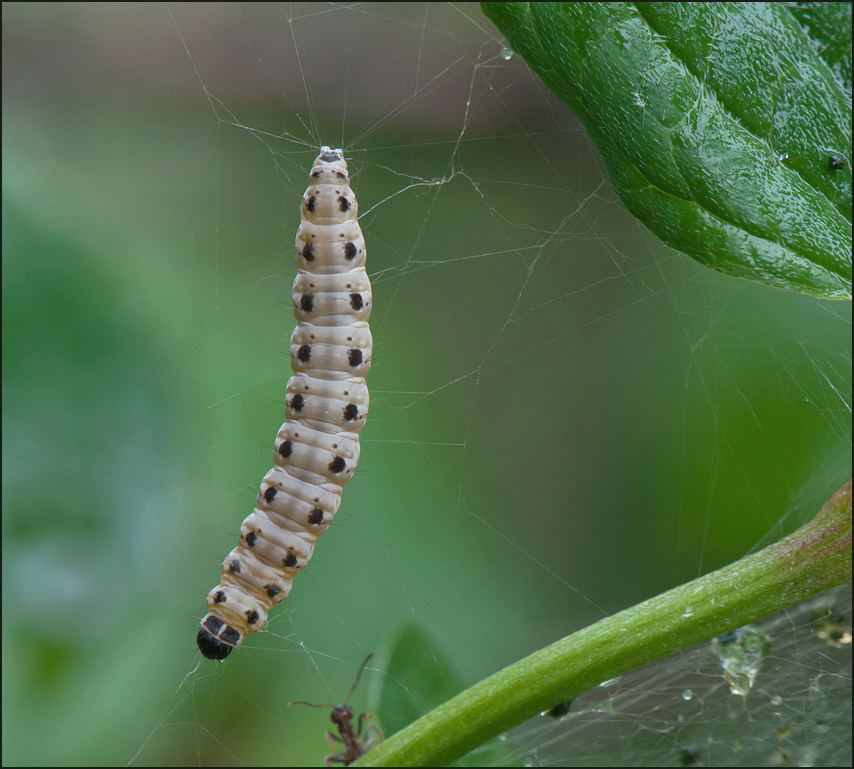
x=327, y=400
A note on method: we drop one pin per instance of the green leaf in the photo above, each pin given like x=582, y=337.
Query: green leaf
x=420, y=677
x=829, y=27
x=721, y=126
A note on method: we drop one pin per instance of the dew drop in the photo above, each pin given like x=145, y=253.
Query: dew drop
x=741, y=653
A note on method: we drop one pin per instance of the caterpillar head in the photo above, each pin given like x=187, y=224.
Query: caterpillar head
x=216, y=639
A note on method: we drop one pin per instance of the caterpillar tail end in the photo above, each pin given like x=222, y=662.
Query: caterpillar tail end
x=210, y=647
x=211, y=639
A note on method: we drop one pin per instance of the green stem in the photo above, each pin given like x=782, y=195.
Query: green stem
x=814, y=558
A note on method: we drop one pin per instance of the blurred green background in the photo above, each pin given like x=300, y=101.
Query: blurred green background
x=566, y=417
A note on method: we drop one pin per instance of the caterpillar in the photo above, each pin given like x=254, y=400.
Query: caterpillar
x=317, y=448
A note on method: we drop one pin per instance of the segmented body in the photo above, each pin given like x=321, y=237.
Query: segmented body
x=317, y=448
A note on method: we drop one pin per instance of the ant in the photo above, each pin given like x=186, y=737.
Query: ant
x=356, y=741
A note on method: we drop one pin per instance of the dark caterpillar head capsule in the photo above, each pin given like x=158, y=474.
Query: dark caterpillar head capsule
x=216, y=639
x=211, y=647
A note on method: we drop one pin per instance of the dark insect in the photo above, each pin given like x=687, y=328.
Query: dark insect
x=317, y=449
x=836, y=162
x=559, y=710
x=688, y=757
x=356, y=740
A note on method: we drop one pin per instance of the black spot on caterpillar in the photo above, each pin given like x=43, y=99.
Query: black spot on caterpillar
x=317, y=449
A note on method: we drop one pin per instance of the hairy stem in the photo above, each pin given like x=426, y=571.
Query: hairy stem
x=814, y=558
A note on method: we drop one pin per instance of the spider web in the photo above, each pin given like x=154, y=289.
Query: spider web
x=567, y=417
x=785, y=704
x=505, y=276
